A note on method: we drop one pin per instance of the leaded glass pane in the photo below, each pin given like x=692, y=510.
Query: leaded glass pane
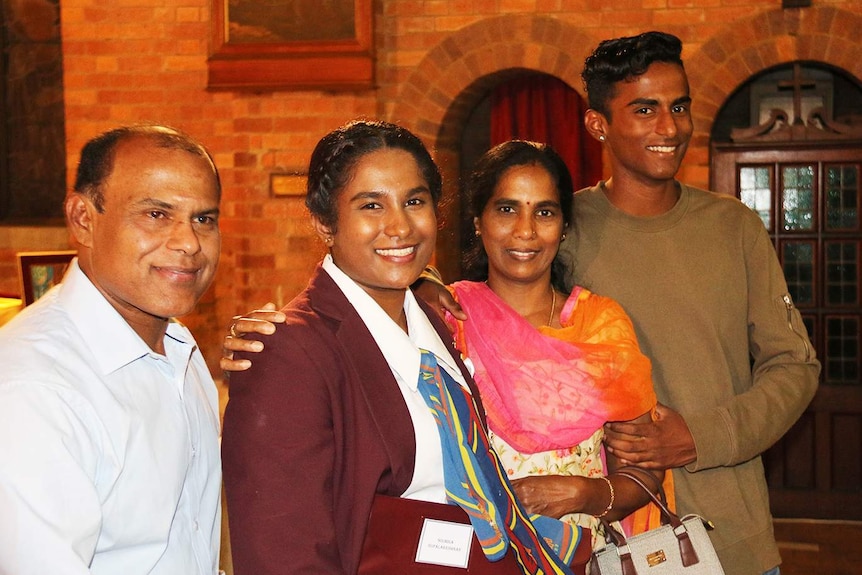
x=755, y=191
x=842, y=195
x=842, y=350
x=842, y=273
x=812, y=212
x=797, y=198
x=799, y=271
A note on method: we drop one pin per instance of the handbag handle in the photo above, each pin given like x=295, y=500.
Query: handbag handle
x=686, y=548
x=667, y=516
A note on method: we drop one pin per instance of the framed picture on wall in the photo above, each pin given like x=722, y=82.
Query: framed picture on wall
x=40, y=271
x=291, y=44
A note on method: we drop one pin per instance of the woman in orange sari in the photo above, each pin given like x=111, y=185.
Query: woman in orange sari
x=552, y=364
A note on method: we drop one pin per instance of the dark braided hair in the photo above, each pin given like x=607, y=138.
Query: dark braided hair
x=337, y=153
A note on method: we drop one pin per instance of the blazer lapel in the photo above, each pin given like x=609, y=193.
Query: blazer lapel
x=370, y=372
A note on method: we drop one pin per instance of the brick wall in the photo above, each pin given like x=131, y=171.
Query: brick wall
x=145, y=60
x=141, y=60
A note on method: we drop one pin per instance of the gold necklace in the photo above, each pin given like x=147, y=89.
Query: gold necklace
x=553, y=305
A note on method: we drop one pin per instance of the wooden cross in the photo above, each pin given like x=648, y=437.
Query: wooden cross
x=797, y=85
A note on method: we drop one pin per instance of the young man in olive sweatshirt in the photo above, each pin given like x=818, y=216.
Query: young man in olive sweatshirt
x=733, y=367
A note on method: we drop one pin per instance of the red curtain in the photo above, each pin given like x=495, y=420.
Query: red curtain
x=542, y=108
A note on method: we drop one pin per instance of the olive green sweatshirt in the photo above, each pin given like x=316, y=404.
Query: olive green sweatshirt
x=709, y=302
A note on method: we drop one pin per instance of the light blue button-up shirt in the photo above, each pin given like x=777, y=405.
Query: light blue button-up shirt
x=109, y=452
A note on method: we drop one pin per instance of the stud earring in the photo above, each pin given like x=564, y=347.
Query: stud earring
x=563, y=238
x=602, y=138
x=478, y=233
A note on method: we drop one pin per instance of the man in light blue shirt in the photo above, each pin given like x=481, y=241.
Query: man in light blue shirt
x=109, y=452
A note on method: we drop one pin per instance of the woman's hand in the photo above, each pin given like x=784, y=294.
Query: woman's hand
x=438, y=297
x=260, y=321
x=552, y=495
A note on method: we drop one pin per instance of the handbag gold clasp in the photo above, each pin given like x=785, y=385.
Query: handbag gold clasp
x=656, y=558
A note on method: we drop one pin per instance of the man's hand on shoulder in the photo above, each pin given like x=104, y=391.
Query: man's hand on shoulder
x=260, y=321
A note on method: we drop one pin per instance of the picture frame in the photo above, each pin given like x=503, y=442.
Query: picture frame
x=291, y=44
x=287, y=184
x=40, y=271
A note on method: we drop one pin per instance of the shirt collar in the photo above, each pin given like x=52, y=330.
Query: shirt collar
x=401, y=350
x=109, y=337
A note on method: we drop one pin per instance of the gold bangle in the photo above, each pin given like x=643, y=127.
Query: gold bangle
x=431, y=274
x=611, y=503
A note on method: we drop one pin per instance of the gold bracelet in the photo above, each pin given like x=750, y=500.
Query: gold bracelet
x=430, y=273
x=611, y=504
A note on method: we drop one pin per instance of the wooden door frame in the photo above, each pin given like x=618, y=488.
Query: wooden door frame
x=816, y=429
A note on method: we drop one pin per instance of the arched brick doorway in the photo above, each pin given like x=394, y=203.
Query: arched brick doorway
x=746, y=47
x=814, y=471
x=446, y=85
x=438, y=96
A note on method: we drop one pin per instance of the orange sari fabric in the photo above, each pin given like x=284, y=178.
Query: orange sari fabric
x=552, y=388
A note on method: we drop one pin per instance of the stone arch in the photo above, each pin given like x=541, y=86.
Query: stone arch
x=749, y=46
x=437, y=98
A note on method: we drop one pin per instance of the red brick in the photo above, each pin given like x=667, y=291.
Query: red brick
x=257, y=125
x=428, y=54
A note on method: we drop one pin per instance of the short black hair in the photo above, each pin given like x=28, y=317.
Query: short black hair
x=97, y=156
x=337, y=153
x=622, y=59
x=482, y=182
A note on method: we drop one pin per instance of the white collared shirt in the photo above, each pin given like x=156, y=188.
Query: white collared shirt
x=401, y=351
x=109, y=452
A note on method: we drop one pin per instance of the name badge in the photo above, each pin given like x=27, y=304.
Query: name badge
x=445, y=543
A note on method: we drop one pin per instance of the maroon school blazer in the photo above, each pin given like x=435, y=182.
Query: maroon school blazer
x=312, y=432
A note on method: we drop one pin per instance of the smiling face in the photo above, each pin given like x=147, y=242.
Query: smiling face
x=648, y=127
x=521, y=226
x=386, y=225
x=154, y=248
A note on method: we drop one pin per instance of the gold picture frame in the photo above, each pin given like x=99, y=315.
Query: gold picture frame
x=287, y=184
x=40, y=271
x=291, y=44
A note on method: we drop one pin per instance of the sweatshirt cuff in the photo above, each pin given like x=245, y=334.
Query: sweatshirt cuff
x=713, y=439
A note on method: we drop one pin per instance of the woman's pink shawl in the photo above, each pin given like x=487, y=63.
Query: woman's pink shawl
x=551, y=388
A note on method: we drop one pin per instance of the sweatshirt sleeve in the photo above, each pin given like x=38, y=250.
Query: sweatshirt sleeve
x=784, y=372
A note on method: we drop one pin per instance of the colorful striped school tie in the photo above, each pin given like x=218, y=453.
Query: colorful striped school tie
x=475, y=480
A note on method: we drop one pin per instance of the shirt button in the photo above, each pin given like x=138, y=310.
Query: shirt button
x=195, y=524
